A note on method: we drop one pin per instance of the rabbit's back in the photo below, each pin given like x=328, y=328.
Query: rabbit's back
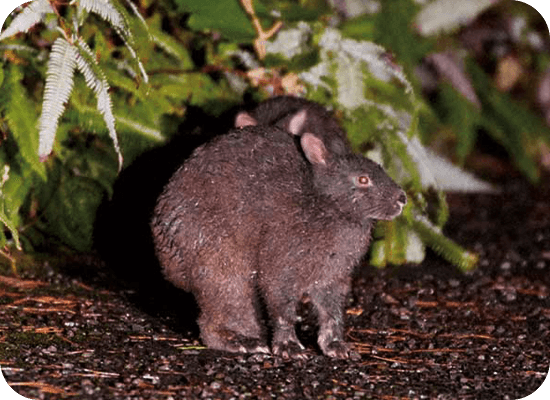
x=214, y=208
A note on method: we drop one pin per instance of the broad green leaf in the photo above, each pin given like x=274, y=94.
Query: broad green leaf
x=225, y=16
x=361, y=28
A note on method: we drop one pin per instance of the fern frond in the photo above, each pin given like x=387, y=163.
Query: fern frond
x=30, y=16
x=137, y=60
x=109, y=13
x=59, y=85
x=137, y=14
x=172, y=47
x=95, y=80
x=148, y=132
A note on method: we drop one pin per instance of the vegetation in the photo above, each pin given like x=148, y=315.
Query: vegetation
x=87, y=86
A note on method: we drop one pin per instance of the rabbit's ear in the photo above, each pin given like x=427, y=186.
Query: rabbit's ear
x=314, y=149
x=296, y=122
x=244, y=119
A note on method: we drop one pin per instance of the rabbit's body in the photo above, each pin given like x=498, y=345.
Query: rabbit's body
x=248, y=219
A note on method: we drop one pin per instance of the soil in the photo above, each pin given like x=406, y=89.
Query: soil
x=79, y=328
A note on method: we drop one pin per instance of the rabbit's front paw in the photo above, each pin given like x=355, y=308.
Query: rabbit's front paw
x=251, y=345
x=289, y=349
x=235, y=343
x=337, y=349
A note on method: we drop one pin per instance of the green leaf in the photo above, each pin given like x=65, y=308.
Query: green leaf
x=11, y=227
x=360, y=28
x=13, y=192
x=293, y=11
x=509, y=123
x=394, y=31
x=71, y=213
x=455, y=110
x=21, y=116
x=170, y=45
x=84, y=175
x=398, y=244
x=225, y=16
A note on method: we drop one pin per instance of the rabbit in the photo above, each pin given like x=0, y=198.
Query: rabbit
x=254, y=219
x=312, y=117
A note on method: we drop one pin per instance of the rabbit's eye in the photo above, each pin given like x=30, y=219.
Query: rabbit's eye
x=363, y=180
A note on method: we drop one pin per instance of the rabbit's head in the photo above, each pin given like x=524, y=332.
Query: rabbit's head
x=357, y=185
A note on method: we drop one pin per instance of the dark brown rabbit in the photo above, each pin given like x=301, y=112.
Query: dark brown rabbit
x=307, y=116
x=249, y=220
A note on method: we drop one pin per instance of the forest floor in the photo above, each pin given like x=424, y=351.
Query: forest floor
x=71, y=329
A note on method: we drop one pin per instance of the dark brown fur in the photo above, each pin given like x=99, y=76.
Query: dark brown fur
x=248, y=219
x=279, y=111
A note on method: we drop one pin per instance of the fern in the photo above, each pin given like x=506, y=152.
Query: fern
x=97, y=82
x=59, y=84
x=106, y=11
x=109, y=13
x=69, y=53
x=64, y=59
x=31, y=15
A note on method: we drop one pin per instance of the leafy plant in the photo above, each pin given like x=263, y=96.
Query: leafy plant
x=142, y=65
x=54, y=195
x=468, y=101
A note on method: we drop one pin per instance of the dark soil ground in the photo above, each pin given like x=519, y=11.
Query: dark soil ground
x=74, y=329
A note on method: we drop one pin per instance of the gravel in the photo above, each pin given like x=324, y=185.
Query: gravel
x=71, y=327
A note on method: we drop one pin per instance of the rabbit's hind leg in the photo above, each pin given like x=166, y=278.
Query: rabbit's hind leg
x=229, y=317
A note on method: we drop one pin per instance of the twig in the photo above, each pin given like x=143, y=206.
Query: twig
x=12, y=261
x=44, y=387
x=392, y=360
x=263, y=36
x=21, y=283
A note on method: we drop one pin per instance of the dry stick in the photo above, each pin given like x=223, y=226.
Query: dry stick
x=263, y=36
x=12, y=261
x=21, y=283
x=44, y=387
